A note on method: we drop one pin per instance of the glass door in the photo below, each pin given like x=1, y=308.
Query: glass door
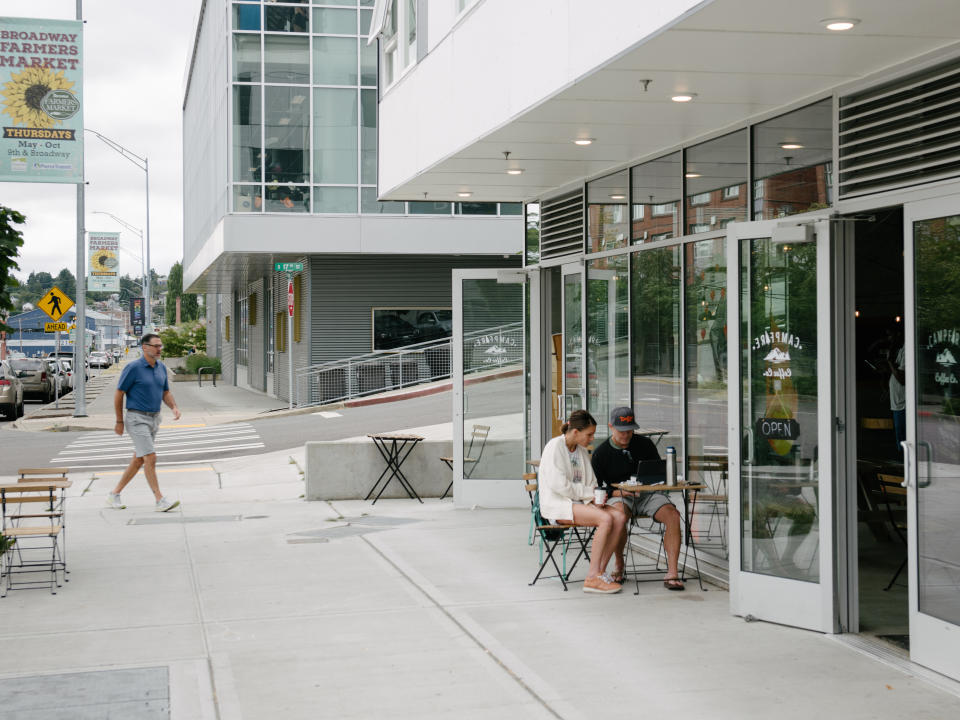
x=932, y=444
x=488, y=387
x=573, y=350
x=781, y=514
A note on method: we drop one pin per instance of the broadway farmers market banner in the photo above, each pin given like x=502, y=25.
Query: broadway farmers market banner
x=103, y=259
x=41, y=100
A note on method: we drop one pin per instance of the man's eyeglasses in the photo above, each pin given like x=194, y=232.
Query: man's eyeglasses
x=158, y=347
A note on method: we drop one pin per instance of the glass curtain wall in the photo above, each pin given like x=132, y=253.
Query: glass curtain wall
x=778, y=303
x=655, y=203
x=607, y=224
x=716, y=183
x=608, y=338
x=656, y=377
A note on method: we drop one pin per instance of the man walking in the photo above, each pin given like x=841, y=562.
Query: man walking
x=144, y=382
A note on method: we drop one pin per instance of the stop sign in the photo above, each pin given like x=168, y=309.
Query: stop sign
x=290, y=298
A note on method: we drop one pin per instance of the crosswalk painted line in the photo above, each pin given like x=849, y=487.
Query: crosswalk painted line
x=96, y=448
x=327, y=414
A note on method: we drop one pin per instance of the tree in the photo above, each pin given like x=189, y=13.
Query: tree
x=188, y=302
x=11, y=240
x=66, y=282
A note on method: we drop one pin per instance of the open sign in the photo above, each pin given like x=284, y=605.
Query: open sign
x=778, y=428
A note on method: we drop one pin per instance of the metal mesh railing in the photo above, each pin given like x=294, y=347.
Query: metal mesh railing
x=377, y=372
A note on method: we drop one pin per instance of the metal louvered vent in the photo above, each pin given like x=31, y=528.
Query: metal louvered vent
x=903, y=133
x=561, y=226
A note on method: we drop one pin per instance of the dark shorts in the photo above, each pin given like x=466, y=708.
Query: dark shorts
x=642, y=504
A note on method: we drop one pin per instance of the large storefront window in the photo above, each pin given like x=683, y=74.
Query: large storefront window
x=706, y=364
x=532, y=242
x=655, y=302
x=608, y=349
x=335, y=136
x=716, y=179
x=287, y=120
x=655, y=205
x=247, y=158
x=286, y=59
x=607, y=225
x=778, y=310
x=791, y=162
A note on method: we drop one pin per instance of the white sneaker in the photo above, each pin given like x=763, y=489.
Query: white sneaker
x=164, y=505
x=113, y=501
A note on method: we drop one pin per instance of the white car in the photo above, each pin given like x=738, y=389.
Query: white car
x=99, y=360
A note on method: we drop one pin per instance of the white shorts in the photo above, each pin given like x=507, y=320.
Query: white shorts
x=142, y=428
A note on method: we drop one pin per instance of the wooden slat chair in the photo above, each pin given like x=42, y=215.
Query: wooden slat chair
x=530, y=485
x=30, y=540
x=35, y=475
x=713, y=471
x=552, y=536
x=479, y=433
x=28, y=474
x=894, y=496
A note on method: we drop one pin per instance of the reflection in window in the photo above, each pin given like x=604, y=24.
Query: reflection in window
x=429, y=208
x=511, y=208
x=792, y=159
x=778, y=332
x=655, y=302
x=607, y=212
x=287, y=125
x=286, y=59
x=608, y=341
x=286, y=19
x=246, y=198
x=246, y=58
x=712, y=169
x=476, y=208
x=335, y=200
x=656, y=199
x=246, y=133
x=335, y=136
x=705, y=285
x=288, y=198
x=335, y=22
x=533, y=233
x=334, y=61
x=246, y=17
x=368, y=63
x=368, y=136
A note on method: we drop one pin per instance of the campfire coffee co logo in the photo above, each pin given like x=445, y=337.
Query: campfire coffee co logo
x=779, y=355
x=945, y=344
x=494, y=349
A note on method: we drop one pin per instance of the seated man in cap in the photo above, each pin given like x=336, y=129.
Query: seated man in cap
x=614, y=461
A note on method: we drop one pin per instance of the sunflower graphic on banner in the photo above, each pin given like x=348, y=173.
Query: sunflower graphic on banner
x=41, y=108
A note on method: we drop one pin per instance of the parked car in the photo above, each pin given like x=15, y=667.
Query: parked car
x=99, y=360
x=11, y=391
x=59, y=373
x=390, y=331
x=437, y=323
x=36, y=378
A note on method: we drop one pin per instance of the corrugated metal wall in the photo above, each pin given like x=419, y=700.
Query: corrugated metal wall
x=256, y=353
x=345, y=289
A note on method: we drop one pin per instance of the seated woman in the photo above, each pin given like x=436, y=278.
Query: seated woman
x=567, y=484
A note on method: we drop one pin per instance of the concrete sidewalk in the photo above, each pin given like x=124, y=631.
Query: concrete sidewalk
x=251, y=603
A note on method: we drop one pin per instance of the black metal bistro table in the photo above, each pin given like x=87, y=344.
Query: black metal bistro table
x=394, y=448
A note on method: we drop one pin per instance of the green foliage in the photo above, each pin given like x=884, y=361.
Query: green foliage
x=198, y=360
x=179, y=340
x=11, y=240
x=189, y=308
x=6, y=543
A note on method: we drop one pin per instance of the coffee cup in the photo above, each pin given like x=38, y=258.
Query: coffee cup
x=599, y=496
x=632, y=480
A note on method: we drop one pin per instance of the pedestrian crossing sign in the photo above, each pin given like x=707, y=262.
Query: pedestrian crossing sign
x=55, y=303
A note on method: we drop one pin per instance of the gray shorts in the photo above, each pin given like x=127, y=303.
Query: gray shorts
x=142, y=428
x=642, y=504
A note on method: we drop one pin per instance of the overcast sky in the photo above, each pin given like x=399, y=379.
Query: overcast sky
x=135, y=59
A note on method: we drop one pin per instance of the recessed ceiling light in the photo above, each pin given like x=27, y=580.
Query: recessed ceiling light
x=791, y=146
x=692, y=175
x=618, y=196
x=464, y=194
x=583, y=141
x=839, y=24
x=683, y=97
x=515, y=171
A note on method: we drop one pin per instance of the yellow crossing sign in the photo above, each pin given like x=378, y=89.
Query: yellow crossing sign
x=56, y=327
x=55, y=303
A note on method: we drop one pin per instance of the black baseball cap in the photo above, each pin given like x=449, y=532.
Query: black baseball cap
x=621, y=418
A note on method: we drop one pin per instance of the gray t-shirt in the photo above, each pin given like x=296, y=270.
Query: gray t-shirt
x=898, y=393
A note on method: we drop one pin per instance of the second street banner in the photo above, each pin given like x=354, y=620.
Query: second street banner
x=103, y=261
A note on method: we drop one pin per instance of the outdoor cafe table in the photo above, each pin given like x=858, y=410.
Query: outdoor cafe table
x=686, y=489
x=394, y=448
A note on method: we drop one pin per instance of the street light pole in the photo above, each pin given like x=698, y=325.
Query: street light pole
x=143, y=164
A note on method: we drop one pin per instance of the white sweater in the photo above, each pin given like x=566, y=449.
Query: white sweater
x=558, y=491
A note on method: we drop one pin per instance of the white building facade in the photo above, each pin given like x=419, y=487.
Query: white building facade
x=280, y=159
x=742, y=220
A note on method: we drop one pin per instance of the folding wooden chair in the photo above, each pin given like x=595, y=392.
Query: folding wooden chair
x=553, y=535
x=31, y=542
x=479, y=433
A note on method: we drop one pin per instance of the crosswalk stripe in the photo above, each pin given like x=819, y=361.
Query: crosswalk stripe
x=159, y=445
x=99, y=442
x=166, y=454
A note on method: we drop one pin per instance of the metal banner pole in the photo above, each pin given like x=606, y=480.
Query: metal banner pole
x=79, y=347
x=290, y=335
x=147, y=281
x=56, y=385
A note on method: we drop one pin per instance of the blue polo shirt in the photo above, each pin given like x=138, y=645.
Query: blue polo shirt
x=144, y=385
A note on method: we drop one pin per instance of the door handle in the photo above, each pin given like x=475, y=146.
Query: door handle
x=907, y=464
x=920, y=483
x=560, y=406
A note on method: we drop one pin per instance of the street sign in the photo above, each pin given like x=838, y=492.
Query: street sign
x=56, y=327
x=290, y=298
x=288, y=267
x=55, y=303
